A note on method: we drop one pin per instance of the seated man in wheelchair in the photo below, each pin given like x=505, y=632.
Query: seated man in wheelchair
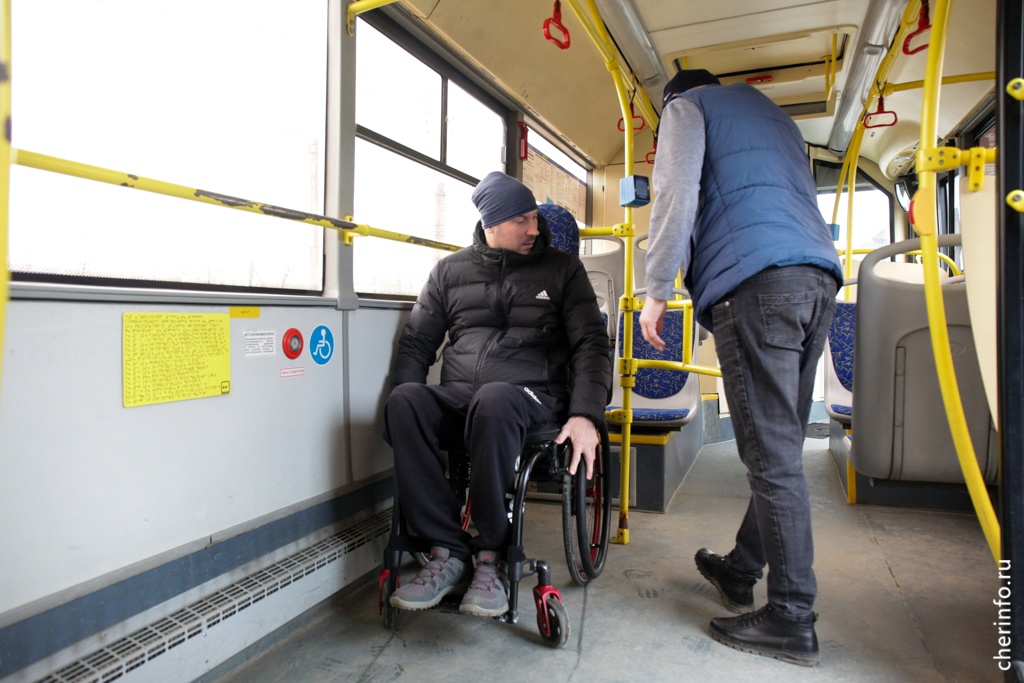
x=526, y=346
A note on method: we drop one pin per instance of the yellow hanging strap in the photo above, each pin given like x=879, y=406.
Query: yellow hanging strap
x=930, y=160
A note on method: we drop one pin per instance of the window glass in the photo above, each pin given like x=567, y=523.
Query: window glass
x=98, y=85
x=558, y=156
x=397, y=95
x=412, y=178
x=469, y=122
x=398, y=194
x=872, y=210
x=872, y=215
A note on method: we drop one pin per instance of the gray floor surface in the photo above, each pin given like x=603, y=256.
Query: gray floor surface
x=904, y=595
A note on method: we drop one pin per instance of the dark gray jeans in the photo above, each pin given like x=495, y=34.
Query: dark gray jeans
x=769, y=333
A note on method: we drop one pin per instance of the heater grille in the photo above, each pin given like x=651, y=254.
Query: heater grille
x=135, y=649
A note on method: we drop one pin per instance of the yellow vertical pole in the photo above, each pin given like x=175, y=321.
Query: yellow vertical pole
x=626, y=305
x=924, y=211
x=5, y=161
x=591, y=19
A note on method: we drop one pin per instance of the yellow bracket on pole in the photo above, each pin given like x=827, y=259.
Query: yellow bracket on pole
x=1016, y=200
x=628, y=304
x=628, y=366
x=618, y=416
x=944, y=158
x=623, y=230
x=357, y=7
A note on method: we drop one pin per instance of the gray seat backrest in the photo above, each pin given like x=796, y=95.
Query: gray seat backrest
x=640, y=262
x=900, y=430
x=606, y=270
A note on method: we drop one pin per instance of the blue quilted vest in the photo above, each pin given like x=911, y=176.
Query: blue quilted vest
x=758, y=202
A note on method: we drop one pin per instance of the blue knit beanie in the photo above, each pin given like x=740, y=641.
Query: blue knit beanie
x=499, y=197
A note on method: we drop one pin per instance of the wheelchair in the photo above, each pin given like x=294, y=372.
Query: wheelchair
x=586, y=518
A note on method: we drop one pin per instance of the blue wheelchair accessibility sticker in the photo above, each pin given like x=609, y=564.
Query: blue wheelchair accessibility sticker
x=321, y=345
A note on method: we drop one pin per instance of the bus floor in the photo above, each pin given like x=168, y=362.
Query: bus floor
x=904, y=595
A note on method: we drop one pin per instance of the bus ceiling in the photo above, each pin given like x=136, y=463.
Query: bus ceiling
x=818, y=61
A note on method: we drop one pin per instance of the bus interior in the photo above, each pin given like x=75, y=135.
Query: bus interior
x=217, y=217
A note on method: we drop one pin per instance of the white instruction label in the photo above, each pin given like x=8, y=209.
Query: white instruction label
x=260, y=343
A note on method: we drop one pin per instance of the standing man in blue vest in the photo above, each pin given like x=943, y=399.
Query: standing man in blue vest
x=735, y=209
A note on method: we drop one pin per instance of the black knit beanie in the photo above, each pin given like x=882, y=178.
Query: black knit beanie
x=499, y=197
x=686, y=79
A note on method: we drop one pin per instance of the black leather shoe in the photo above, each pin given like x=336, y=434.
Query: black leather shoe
x=766, y=632
x=737, y=593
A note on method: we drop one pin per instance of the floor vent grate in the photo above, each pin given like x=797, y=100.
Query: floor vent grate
x=137, y=648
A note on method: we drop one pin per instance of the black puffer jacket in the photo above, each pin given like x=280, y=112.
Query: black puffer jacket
x=529, y=320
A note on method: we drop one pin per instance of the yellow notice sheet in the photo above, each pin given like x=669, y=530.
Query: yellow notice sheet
x=175, y=356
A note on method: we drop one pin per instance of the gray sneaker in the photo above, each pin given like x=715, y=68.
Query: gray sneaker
x=488, y=593
x=439, y=576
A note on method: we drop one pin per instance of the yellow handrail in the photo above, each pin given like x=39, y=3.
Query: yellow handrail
x=357, y=7
x=104, y=175
x=890, y=88
x=5, y=161
x=953, y=269
x=923, y=214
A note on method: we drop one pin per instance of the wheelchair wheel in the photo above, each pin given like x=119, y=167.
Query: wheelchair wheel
x=387, y=583
x=557, y=632
x=586, y=519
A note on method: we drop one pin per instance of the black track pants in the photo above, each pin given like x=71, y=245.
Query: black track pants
x=422, y=420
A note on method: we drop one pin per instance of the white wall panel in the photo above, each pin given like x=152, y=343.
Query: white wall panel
x=91, y=488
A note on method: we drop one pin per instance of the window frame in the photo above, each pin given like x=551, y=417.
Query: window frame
x=396, y=26
x=415, y=47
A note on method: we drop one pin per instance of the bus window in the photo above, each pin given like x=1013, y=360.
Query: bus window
x=422, y=143
x=872, y=208
x=96, y=84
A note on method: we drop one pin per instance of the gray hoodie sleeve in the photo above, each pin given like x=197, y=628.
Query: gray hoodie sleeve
x=676, y=185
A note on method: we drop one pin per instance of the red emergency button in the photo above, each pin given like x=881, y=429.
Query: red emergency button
x=292, y=343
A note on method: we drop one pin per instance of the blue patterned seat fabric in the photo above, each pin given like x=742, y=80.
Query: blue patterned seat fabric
x=840, y=340
x=658, y=384
x=565, y=233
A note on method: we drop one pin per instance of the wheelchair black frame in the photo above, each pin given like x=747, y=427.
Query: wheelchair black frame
x=518, y=565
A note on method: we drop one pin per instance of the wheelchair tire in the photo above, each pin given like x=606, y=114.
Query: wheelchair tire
x=586, y=519
x=558, y=622
x=388, y=583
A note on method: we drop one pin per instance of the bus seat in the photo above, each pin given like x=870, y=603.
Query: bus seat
x=604, y=258
x=899, y=424
x=839, y=345
x=839, y=363
x=661, y=398
x=565, y=232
